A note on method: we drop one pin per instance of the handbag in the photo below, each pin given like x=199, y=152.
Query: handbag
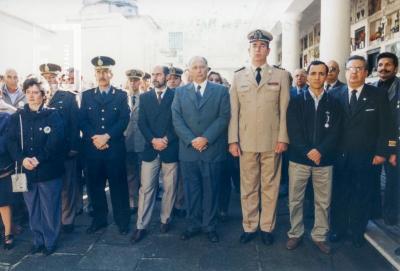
x=19, y=180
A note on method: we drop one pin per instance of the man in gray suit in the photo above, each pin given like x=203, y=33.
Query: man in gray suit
x=134, y=139
x=200, y=114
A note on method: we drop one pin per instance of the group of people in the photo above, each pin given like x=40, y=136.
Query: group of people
x=199, y=139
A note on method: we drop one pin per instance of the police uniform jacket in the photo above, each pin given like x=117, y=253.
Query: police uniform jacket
x=6, y=163
x=313, y=129
x=258, y=112
x=99, y=116
x=43, y=137
x=66, y=104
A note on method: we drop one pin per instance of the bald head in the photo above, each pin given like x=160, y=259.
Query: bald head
x=300, y=77
x=333, y=72
x=11, y=79
x=198, y=69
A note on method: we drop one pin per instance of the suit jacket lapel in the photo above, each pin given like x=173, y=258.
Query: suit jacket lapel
x=344, y=99
x=192, y=95
x=362, y=100
x=393, y=88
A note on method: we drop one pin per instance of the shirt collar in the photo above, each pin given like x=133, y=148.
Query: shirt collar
x=106, y=90
x=263, y=67
x=331, y=85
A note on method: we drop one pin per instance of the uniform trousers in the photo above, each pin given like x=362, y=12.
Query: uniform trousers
x=69, y=191
x=113, y=170
x=260, y=175
x=44, y=207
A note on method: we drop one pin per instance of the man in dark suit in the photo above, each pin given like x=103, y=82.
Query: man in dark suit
x=332, y=82
x=104, y=116
x=362, y=148
x=65, y=102
x=388, y=82
x=160, y=153
x=200, y=114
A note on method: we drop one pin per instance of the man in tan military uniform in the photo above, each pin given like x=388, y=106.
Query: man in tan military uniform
x=257, y=133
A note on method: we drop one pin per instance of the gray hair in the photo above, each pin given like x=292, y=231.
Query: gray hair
x=195, y=58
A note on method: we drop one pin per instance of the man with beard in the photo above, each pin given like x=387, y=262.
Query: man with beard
x=388, y=82
x=65, y=103
x=160, y=153
x=104, y=116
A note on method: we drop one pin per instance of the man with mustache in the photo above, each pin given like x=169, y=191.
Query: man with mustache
x=104, y=116
x=65, y=102
x=388, y=81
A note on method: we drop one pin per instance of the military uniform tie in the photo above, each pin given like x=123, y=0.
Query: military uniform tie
x=258, y=75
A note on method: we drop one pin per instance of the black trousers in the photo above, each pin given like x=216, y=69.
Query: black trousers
x=354, y=185
x=113, y=170
x=230, y=174
x=201, y=193
x=391, y=194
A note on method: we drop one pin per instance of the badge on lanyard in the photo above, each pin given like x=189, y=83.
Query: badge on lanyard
x=327, y=113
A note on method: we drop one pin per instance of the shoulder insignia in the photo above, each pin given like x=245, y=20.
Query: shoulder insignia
x=276, y=66
x=242, y=68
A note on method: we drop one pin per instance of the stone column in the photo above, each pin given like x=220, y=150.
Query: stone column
x=291, y=41
x=335, y=32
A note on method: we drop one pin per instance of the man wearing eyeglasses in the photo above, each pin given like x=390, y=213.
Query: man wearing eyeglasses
x=332, y=82
x=362, y=148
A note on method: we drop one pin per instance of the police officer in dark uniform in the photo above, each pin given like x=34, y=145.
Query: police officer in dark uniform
x=174, y=78
x=104, y=116
x=66, y=104
x=390, y=83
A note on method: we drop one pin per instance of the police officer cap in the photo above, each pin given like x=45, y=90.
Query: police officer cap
x=260, y=35
x=102, y=62
x=175, y=71
x=49, y=68
x=134, y=73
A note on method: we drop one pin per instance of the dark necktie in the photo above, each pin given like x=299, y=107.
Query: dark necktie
x=198, y=94
x=328, y=86
x=258, y=75
x=300, y=91
x=133, y=101
x=159, y=93
x=353, y=101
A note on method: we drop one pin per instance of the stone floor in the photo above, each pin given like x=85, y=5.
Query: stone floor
x=107, y=250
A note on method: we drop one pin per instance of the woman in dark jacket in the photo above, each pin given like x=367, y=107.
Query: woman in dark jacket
x=40, y=157
x=6, y=169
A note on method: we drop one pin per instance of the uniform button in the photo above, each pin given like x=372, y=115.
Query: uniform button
x=31, y=149
x=102, y=119
x=31, y=138
x=102, y=127
x=102, y=110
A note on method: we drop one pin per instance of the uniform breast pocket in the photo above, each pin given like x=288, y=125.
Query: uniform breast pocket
x=272, y=92
x=244, y=94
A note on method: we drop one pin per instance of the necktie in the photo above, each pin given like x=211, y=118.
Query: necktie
x=198, y=94
x=353, y=101
x=133, y=101
x=159, y=96
x=300, y=91
x=258, y=75
x=328, y=86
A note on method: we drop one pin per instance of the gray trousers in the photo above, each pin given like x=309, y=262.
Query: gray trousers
x=148, y=191
x=69, y=191
x=322, y=184
x=133, y=168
